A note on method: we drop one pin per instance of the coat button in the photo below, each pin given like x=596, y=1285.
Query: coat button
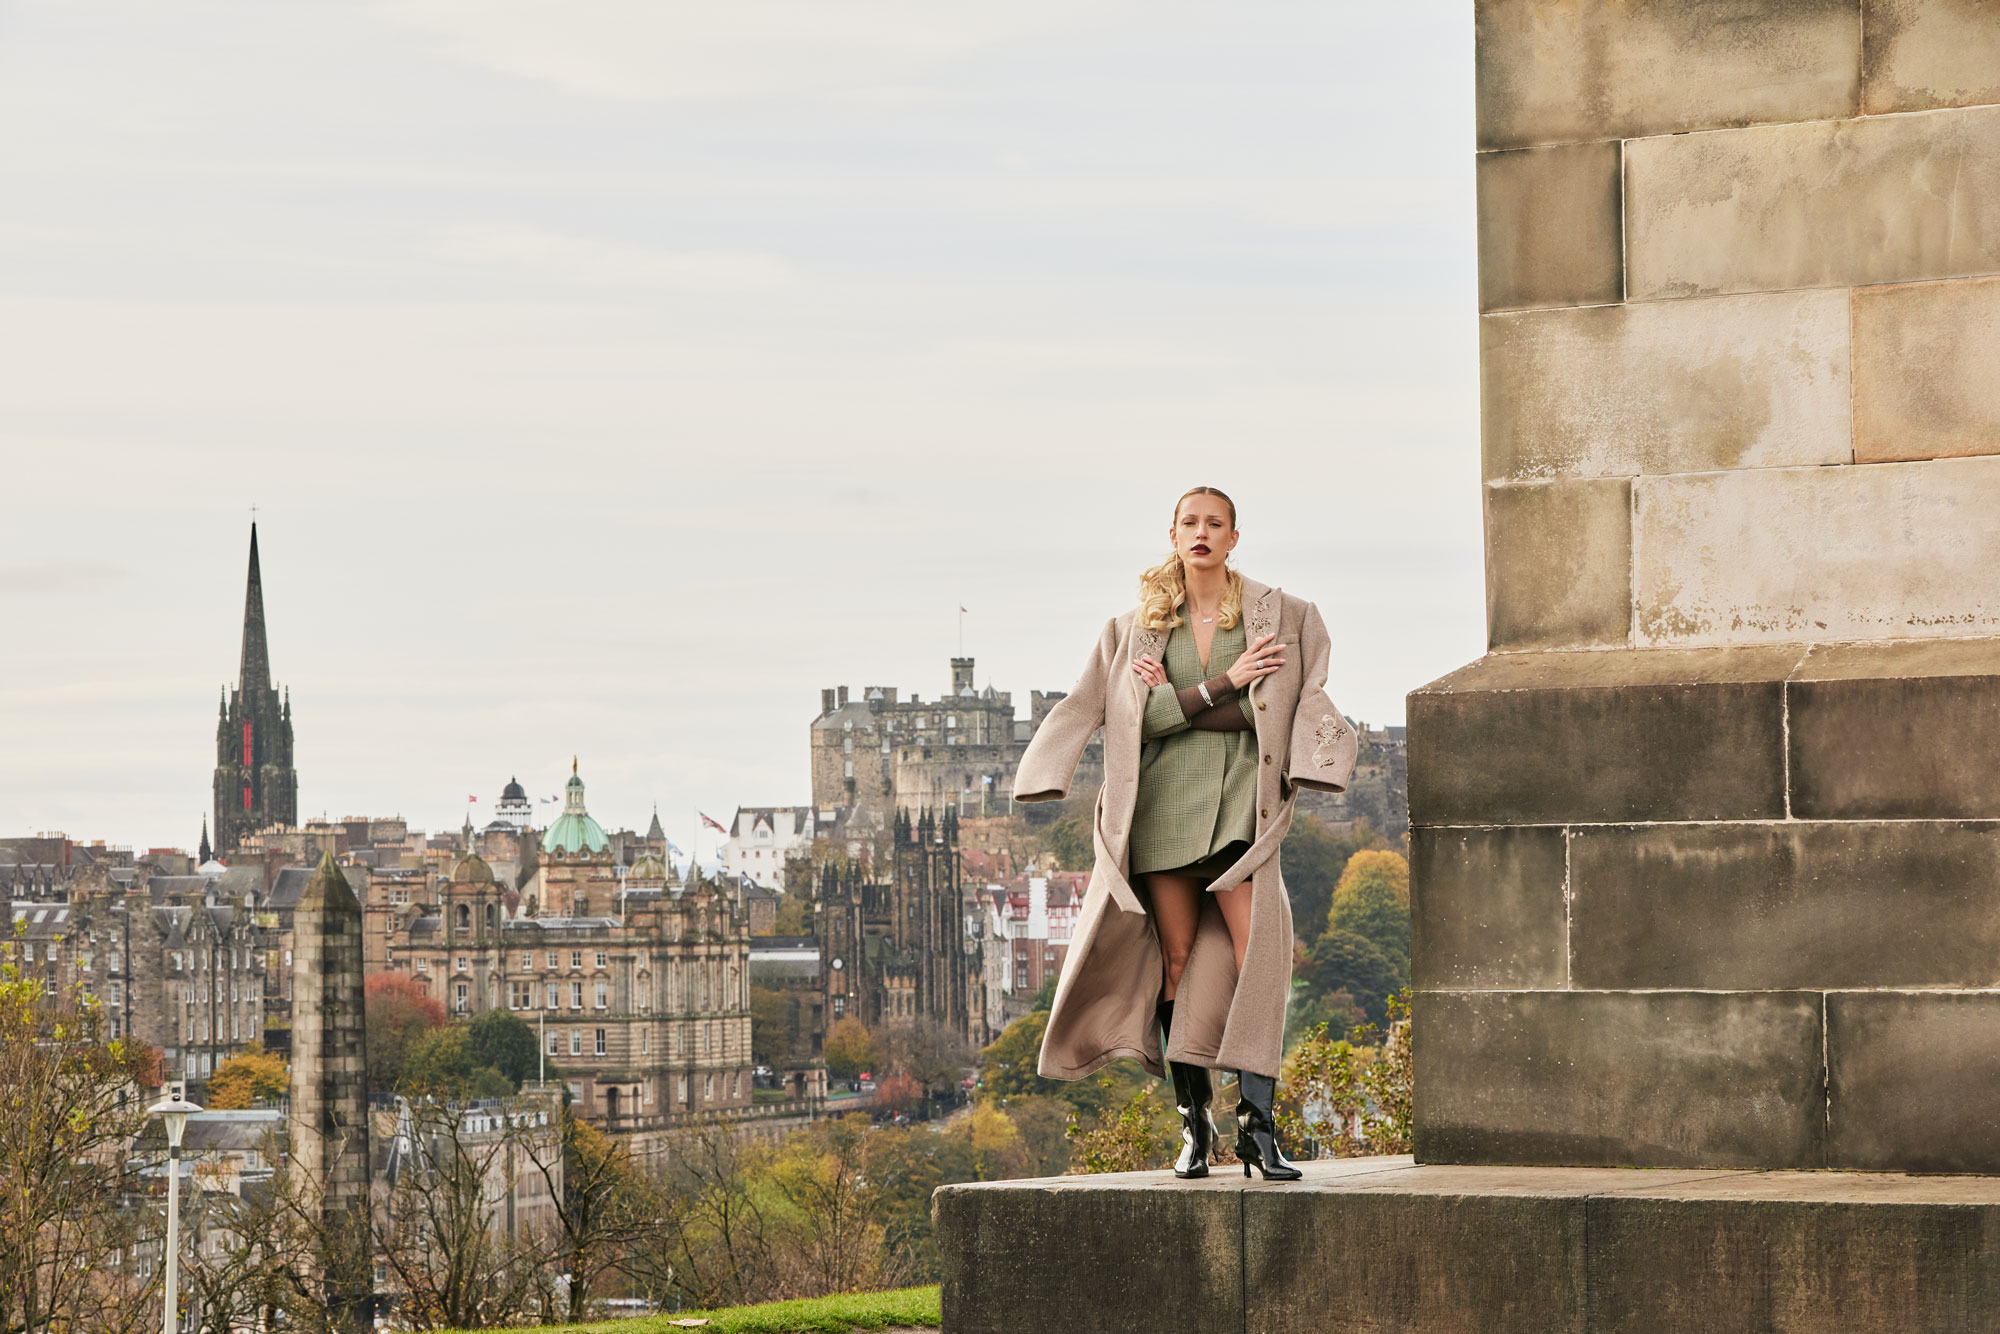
x=1267, y=759
x=1266, y=812
x=1260, y=703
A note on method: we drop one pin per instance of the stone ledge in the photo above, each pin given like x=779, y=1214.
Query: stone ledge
x=1385, y=1244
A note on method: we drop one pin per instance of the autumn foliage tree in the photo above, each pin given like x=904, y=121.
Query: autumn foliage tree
x=247, y=1078
x=69, y=1108
x=849, y=1048
x=397, y=1010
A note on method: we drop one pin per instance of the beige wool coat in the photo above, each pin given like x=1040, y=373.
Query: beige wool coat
x=1104, y=1003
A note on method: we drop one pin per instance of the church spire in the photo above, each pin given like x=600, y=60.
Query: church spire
x=255, y=674
x=207, y=852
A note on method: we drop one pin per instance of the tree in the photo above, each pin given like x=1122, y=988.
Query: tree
x=1071, y=842
x=1343, y=961
x=438, y=1062
x=503, y=1040
x=397, y=1009
x=1129, y=1136
x=774, y=1025
x=610, y=1216
x=1007, y=1067
x=933, y=1054
x=794, y=914
x=1314, y=858
x=837, y=1242
x=455, y=1265
x=1368, y=905
x=1380, y=866
x=251, y=1076
x=849, y=1048
x=902, y=1168
x=1350, y=1098
x=68, y=1111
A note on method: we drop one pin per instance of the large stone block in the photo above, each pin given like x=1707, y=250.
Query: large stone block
x=1487, y=908
x=1034, y=1259
x=1914, y=1080
x=1596, y=1078
x=1785, y=554
x=1552, y=73
x=1822, y=204
x=1805, y=1251
x=1905, y=729
x=1559, y=564
x=1927, y=370
x=1921, y=54
x=1797, y=904
x=1549, y=227
x=1679, y=386
x=1416, y=1256
x=1602, y=737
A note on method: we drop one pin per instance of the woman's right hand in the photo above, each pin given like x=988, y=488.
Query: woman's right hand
x=1263, y=657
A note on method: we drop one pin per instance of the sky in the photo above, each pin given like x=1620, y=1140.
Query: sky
x=608, y=376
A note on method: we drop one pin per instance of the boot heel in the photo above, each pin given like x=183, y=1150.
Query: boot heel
x=1246, y=1171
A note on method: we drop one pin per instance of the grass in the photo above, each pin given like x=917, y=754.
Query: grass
x=814, y=1315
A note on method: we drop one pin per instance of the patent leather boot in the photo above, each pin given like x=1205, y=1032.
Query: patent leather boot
x=1257, y=1129
x=1193, y=1091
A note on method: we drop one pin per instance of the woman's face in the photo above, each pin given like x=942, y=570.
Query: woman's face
x=1203, y=533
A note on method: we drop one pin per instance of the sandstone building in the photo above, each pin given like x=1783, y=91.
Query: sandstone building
x=638, y=985
x=880, y=754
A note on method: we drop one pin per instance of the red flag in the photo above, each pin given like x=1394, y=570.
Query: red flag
x=712, y=824
x=472, y=799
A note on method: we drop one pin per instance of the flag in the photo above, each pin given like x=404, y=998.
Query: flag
x=712, y=824
x=964, y=610
x=471, y=798
x=674, y=851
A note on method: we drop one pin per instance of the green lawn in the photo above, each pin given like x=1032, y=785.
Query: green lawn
x=817, y=1315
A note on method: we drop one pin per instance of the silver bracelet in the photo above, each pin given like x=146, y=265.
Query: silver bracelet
x=1202, y=686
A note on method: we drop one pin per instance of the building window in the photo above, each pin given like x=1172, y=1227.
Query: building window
x=645, y=1045
x=461, y=965
x=458, y=996
x=684, y=1090
x=555, y=960
x=576, y=1042
x=708, y=1088
x=600, y=958
x=555, y=1000
x=527, y=960
x=600, y=1042
x=555, y=1044
x=576, y=958
x=850, y=769
x=603, y=995
x=576, y=995
x=423, y=965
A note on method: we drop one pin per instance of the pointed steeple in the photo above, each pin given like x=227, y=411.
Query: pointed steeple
x=655, y=834
x=207, y=853
x=255, y=674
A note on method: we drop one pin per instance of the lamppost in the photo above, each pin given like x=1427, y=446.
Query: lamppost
x=173, y=1112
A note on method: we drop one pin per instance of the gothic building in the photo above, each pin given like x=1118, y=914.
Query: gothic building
x=908, y=946
x=255, y=783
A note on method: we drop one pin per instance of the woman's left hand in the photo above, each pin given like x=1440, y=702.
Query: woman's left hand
x=1150, y=669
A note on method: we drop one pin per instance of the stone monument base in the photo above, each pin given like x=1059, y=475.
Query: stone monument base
x=1382, y=1244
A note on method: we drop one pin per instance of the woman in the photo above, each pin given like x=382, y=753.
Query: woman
x=1211, y=696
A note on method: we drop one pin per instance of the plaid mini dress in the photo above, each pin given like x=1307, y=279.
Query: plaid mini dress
x=1197, y=791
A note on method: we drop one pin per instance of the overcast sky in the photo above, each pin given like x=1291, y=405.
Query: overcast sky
x=611, y=375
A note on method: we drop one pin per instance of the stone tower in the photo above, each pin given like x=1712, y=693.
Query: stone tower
x=255, y=783
x=329, y=1085
x=1704, y=846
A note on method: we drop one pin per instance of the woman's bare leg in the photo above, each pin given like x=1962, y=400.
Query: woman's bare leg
x=1235, y=905
x=1176, y=913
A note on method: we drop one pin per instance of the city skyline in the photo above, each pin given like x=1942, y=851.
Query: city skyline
x=608, y=396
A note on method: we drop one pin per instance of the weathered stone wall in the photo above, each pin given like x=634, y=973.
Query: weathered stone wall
x=1706, y=861
x=1731, y=256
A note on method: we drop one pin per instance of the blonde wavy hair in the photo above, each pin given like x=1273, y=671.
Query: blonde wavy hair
x=1162, y=588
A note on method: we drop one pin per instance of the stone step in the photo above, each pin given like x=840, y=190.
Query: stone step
x=1383, y=1244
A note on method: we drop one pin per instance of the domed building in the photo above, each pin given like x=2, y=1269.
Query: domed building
x=514, y=809
x=574, y=833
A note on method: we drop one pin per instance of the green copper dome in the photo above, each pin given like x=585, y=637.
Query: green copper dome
x=574, y=833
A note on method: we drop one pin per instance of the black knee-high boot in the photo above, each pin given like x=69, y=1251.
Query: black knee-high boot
x=1193, y=1091
x=1257, y=1129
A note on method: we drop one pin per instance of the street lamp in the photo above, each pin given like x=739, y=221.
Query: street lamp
x=173, y=1113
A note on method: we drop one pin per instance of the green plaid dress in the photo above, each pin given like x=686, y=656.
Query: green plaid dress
x=1197, y=790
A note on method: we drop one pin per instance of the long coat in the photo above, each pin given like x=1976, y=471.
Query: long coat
x=1104, y=1003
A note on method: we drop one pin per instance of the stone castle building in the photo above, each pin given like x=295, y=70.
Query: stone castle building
x=255, y=783
x=638, y=985
x=879, y=753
